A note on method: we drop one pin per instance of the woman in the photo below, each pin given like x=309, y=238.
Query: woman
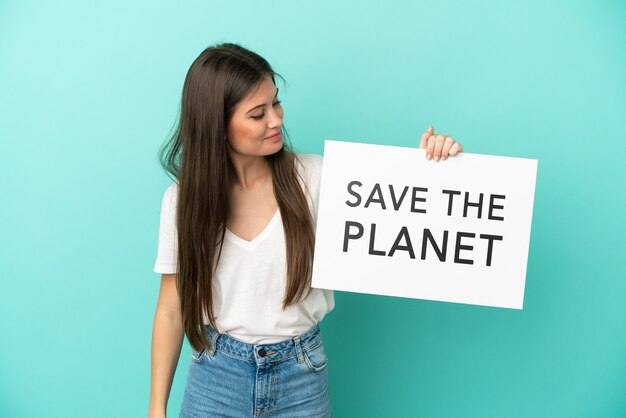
x=236, y=248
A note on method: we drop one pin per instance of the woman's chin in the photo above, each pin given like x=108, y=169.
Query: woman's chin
x=276, y=146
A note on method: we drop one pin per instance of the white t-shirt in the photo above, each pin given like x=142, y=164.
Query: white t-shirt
x=249, y=282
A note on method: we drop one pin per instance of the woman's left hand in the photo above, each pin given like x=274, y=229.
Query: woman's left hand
x=439, y=147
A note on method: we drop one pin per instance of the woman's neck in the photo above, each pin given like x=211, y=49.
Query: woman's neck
x=249, y=171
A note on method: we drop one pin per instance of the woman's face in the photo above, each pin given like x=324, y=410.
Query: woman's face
x=254, y=128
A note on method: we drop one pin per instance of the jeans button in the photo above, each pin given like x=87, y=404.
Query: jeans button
x=262, y=352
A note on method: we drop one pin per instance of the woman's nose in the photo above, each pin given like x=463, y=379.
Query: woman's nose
x=275, y=120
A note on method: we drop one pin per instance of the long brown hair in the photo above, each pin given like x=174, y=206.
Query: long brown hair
x=197, y=157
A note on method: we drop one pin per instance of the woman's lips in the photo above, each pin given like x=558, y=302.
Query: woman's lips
x=275, y=136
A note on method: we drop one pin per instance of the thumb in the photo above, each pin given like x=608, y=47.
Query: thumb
x=425, y=136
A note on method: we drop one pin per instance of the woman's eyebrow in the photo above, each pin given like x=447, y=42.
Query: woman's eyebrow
x=261, y=105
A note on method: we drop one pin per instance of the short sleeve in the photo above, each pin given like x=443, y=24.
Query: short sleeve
x=310, y=168
x=167, y=253
x=311, y=171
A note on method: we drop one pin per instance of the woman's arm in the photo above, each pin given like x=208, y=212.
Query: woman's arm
x=167, y=340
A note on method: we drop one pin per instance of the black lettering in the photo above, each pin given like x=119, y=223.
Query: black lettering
x=491, y=238
x=492, y=207
x=418, y=199
x=376, y=191
x=347, y=235
x=372, y=251
x=353, y=193
x=450, y=194
x=478, y=205
x=404, y=233
x=396, y=204
x=460, y=247
x=441, y=252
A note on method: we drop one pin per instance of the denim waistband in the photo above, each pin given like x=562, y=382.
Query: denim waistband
x=264, y=353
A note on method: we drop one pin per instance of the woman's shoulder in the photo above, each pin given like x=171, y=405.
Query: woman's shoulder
x=309, y=168
x=172, y=189
x=170, y=196
x=311, y=164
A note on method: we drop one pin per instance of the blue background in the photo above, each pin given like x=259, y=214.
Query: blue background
x=90, y=91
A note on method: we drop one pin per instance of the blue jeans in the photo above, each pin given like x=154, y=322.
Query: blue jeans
x=280, y=380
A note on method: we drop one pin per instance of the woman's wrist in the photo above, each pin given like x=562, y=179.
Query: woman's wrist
x=154, y=412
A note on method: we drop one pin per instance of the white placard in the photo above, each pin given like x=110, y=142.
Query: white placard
x=392, y=223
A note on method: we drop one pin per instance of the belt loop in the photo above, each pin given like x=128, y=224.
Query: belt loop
x=213, y=335
x=298, y=347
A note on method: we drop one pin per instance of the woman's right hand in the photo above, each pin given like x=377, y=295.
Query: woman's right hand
x=439, y=147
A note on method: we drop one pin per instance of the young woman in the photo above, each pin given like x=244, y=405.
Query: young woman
x=236, y=249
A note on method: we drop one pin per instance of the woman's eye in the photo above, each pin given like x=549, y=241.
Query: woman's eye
x=262, y=115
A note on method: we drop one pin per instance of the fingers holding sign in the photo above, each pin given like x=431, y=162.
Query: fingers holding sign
x=439, y=147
